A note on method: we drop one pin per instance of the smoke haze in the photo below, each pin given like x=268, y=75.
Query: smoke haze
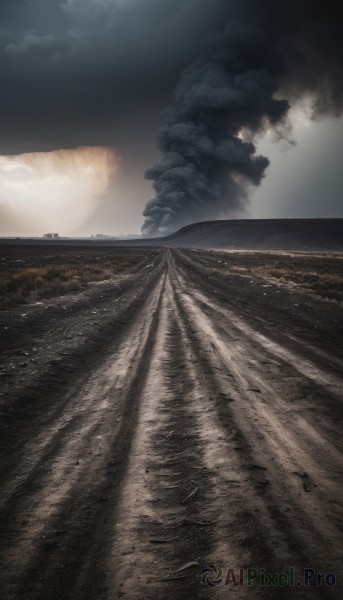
x=86, y=73
x=266, y=56
x=53, y=191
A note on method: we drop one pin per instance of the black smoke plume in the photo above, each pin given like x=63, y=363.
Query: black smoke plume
x=267, y=55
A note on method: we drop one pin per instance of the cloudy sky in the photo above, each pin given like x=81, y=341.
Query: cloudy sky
x=192, y=93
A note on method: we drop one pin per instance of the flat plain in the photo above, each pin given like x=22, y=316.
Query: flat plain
x=169, y=409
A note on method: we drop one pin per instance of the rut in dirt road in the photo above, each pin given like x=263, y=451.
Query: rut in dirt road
x=208, y=432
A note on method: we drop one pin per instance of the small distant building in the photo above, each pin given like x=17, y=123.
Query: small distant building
x=51, y=236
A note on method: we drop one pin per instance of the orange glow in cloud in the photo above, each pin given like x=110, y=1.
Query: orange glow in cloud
x=53, y=191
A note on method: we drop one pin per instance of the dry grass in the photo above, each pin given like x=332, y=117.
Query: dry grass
x=318, y=274
x=26, y=284
x=32, y=284
x=325, y=281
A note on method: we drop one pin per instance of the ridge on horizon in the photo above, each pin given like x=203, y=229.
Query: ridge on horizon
x=324, y=234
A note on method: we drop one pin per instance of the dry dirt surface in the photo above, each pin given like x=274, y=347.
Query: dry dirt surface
x=176, y=417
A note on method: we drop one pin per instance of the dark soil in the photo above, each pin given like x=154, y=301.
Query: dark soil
x=182, y=414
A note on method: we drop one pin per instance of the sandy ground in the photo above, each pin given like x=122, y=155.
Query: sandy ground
x=172, y=418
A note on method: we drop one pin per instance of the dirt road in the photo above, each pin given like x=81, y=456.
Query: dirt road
x=173, y=416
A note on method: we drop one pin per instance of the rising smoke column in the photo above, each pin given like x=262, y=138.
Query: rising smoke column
x=268, y=53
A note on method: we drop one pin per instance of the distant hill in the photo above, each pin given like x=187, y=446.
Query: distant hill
x=254, y=234
x=262, y=234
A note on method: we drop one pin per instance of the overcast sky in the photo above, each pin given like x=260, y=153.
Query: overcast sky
x=93, y=77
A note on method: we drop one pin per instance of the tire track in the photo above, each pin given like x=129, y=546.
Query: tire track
x=72, y=466
x=195, y=437
x=314, y=520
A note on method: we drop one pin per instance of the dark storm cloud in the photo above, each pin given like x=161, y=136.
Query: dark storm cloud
x=266, y=54
x=85, y=71
x=98, y=72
